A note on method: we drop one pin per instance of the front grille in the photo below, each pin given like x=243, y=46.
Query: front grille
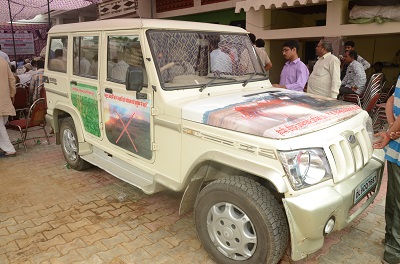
x=350, y=157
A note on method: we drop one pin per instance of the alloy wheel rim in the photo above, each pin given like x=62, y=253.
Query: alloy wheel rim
x=231, y=231
x=70, y=147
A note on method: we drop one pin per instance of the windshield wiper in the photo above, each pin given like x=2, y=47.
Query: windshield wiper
x=251, y=77
x=213, y=80
x=207, y=84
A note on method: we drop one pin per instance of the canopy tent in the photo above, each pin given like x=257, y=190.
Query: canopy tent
x=14, y=10
x=27, y=9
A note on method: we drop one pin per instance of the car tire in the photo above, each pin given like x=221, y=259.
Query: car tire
x=70, y=146
x=238, y=219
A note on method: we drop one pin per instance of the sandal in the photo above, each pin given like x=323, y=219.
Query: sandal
x=6, y=154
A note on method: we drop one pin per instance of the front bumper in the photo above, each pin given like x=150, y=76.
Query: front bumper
x=308, y=213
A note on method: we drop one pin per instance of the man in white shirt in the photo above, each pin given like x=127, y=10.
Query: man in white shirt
x=85, y=64
x=221, y=62
x=4, y=55
x=325, y=78
x=120, y=68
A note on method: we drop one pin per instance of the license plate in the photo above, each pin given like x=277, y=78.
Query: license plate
x=365, y=187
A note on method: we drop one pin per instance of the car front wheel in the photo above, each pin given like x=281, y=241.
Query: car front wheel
x=237, y=219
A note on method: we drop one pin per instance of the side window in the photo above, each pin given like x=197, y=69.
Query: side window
x=122, y=52
x=57, y=54
x=86, y=50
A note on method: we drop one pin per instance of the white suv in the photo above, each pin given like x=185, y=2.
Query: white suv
x=188, y=106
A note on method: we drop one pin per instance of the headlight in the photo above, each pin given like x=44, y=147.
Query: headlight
x=305, y=167
x=370, y=129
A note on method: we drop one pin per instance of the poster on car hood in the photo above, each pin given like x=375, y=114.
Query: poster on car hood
x=273, y=114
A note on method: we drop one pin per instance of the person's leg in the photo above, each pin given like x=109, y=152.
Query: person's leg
x=392, y=248
x=344, y=90
x=5, y=143
x=390, y=201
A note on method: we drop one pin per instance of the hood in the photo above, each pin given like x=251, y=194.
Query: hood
x=271, y=114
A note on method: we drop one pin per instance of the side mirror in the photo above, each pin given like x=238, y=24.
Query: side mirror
x=134, y=79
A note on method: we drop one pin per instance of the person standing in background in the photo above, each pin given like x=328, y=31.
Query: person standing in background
x=295, y=73
x=325, y=77
x=349, y=45
x=262, y=54
x=4, y=55
x=7, y=92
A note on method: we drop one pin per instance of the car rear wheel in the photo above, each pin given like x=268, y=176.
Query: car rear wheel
x=237, y=219
x=70, y=146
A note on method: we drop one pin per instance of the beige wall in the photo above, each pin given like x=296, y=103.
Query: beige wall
x=283, y=19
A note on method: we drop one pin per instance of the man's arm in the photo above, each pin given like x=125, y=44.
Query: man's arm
x=334, y=69
x=364, y=62
x=268, y=66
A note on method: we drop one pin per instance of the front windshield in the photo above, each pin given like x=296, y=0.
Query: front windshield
x=187, y=59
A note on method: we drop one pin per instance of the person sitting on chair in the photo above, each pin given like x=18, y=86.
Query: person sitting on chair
x=36, y=82
x=354, y=81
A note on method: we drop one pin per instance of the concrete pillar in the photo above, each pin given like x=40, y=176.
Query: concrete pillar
x=337, y=13
x=57, y=21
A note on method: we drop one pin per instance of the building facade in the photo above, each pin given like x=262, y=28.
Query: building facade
x=276, y=21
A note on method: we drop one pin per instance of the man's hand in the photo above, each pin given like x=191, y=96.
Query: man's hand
x=382, y=141
x=278, y=85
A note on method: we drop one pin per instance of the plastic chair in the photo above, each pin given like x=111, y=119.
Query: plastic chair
x=21, y=103
x=36, y=120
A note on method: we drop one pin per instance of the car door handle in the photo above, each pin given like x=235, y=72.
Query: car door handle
x=74, y=83
x=108, y=90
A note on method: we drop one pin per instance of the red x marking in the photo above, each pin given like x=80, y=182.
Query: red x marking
x=125, y=130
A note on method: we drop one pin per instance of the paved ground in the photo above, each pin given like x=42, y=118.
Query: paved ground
x=52, y=214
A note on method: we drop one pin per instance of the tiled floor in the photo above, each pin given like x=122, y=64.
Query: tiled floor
x=52, y=214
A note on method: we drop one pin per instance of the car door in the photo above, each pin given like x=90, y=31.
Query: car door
x=127, y=117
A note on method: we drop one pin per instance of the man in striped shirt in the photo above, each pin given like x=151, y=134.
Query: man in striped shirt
x=36, y=82
x=391, y=141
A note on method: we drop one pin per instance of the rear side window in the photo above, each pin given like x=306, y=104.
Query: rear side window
x=57, y=54
x=86, y=50
x=122, y=52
